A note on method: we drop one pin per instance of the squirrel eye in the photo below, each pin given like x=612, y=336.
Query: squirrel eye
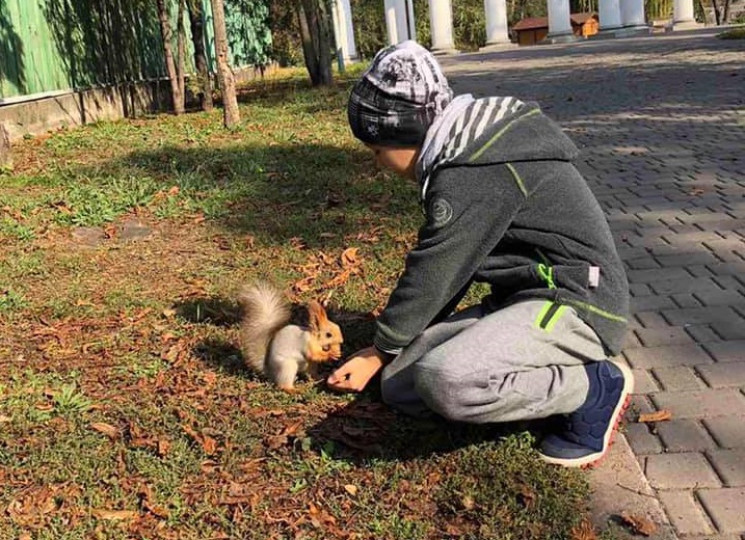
x=329, y=335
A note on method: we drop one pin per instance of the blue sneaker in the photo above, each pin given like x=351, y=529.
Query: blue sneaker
x=588, y=431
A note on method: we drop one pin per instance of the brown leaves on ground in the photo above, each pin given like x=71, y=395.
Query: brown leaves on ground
x=322, y=274
x=107, y=429
x=639, y=524
x=115, y=515
x=659, y=416
x=209, y=444
x=583, y=531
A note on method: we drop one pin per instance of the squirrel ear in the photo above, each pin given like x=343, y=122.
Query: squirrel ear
x=317, y=315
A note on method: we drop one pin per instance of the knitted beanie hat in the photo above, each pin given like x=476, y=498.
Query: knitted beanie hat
x=398, y=97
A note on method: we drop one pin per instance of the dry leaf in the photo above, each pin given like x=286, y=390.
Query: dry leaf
x=583, y=531
x=350, y=257
x=107, y=429
x=209, y=445
x=639, y=524
x=659, y=416
x=168, y=313
x=4, y=419
x=163, y=447
x=351, y=489
x=173, y=191
x=114, y=515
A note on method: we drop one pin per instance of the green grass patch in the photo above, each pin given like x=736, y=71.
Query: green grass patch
x=734, y=33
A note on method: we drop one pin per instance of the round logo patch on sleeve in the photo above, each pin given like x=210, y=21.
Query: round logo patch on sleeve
x=440, y=212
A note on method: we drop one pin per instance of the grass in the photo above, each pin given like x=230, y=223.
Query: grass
x=734, y=33
x=125, y=410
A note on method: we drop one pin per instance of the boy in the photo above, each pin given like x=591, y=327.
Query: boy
x=505, y=206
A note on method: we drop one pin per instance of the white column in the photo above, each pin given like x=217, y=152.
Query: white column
x=609, y=13
x=441, y=26
x=396, y=21
x=632, y=13
x=559, y=23
x=683, y=12
x=345, y=21
x=496, y=22
x=390, y=21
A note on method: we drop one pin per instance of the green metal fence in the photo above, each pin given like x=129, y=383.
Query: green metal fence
x=49, y=46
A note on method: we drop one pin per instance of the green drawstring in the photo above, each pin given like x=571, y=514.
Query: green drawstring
x=547, y=274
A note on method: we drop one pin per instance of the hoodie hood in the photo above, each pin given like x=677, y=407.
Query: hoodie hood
x=491, y=131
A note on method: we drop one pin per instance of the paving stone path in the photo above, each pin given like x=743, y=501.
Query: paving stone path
x=661, y=124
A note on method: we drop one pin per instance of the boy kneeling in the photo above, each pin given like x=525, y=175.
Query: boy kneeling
x=505, y=206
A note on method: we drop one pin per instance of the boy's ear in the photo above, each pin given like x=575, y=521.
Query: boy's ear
x=317, y=316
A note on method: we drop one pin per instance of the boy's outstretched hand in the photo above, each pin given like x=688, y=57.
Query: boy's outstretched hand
x=356, y=372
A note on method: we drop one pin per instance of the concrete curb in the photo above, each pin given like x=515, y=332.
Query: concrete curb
x=618, y=485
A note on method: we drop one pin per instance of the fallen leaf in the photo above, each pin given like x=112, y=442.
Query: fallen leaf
x=163, y=447
x=350, y=257
x=467, y=502
x=303, y=285
x=209, y=466
x=199, y=219
x=583, y=531
x=659, y=416
x=168, y=313
x=173, y=191
x=527, y=495
x=4, y=419
x=114, y=515
x=639, y=524
x=351, y=489
x=107, y=429
x=209, y=445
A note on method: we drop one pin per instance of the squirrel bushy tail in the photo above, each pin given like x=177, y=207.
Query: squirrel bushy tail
x=265, y=312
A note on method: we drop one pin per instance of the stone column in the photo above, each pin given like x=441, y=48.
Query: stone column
x=345, y=21
x=609, y=13
x=391, y=21
x=632, y=14
x=683, y=13
x=496, y=23
x=559, y=23
x=441, y=26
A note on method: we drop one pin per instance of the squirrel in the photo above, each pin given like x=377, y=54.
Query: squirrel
x=278, y=349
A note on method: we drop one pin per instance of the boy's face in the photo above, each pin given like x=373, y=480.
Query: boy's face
x=399, y=160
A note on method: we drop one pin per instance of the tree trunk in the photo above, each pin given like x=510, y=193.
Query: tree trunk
x=4, y=147
x=224, y=73
x=181, y=40
x=725, y=12
x=313, y=18
x=165, y=32
x=717, y=14
x=200, y=54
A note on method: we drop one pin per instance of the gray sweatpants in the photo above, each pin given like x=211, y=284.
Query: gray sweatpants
x=519, y=363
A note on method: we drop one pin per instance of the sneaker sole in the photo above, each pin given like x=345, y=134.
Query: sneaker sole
x=592, y=460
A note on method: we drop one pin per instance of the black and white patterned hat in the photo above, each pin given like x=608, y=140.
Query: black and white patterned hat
x=398, y=97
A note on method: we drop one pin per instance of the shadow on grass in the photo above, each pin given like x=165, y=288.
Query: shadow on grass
x=208, y=310
x=367, y=429
x=316, y=192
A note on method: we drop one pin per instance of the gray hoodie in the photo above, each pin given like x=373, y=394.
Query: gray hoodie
x=508, y=209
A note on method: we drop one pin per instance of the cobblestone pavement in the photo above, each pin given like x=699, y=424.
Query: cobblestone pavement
x=661, y=124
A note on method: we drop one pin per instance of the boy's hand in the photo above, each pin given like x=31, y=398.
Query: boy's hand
x=356, y=372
